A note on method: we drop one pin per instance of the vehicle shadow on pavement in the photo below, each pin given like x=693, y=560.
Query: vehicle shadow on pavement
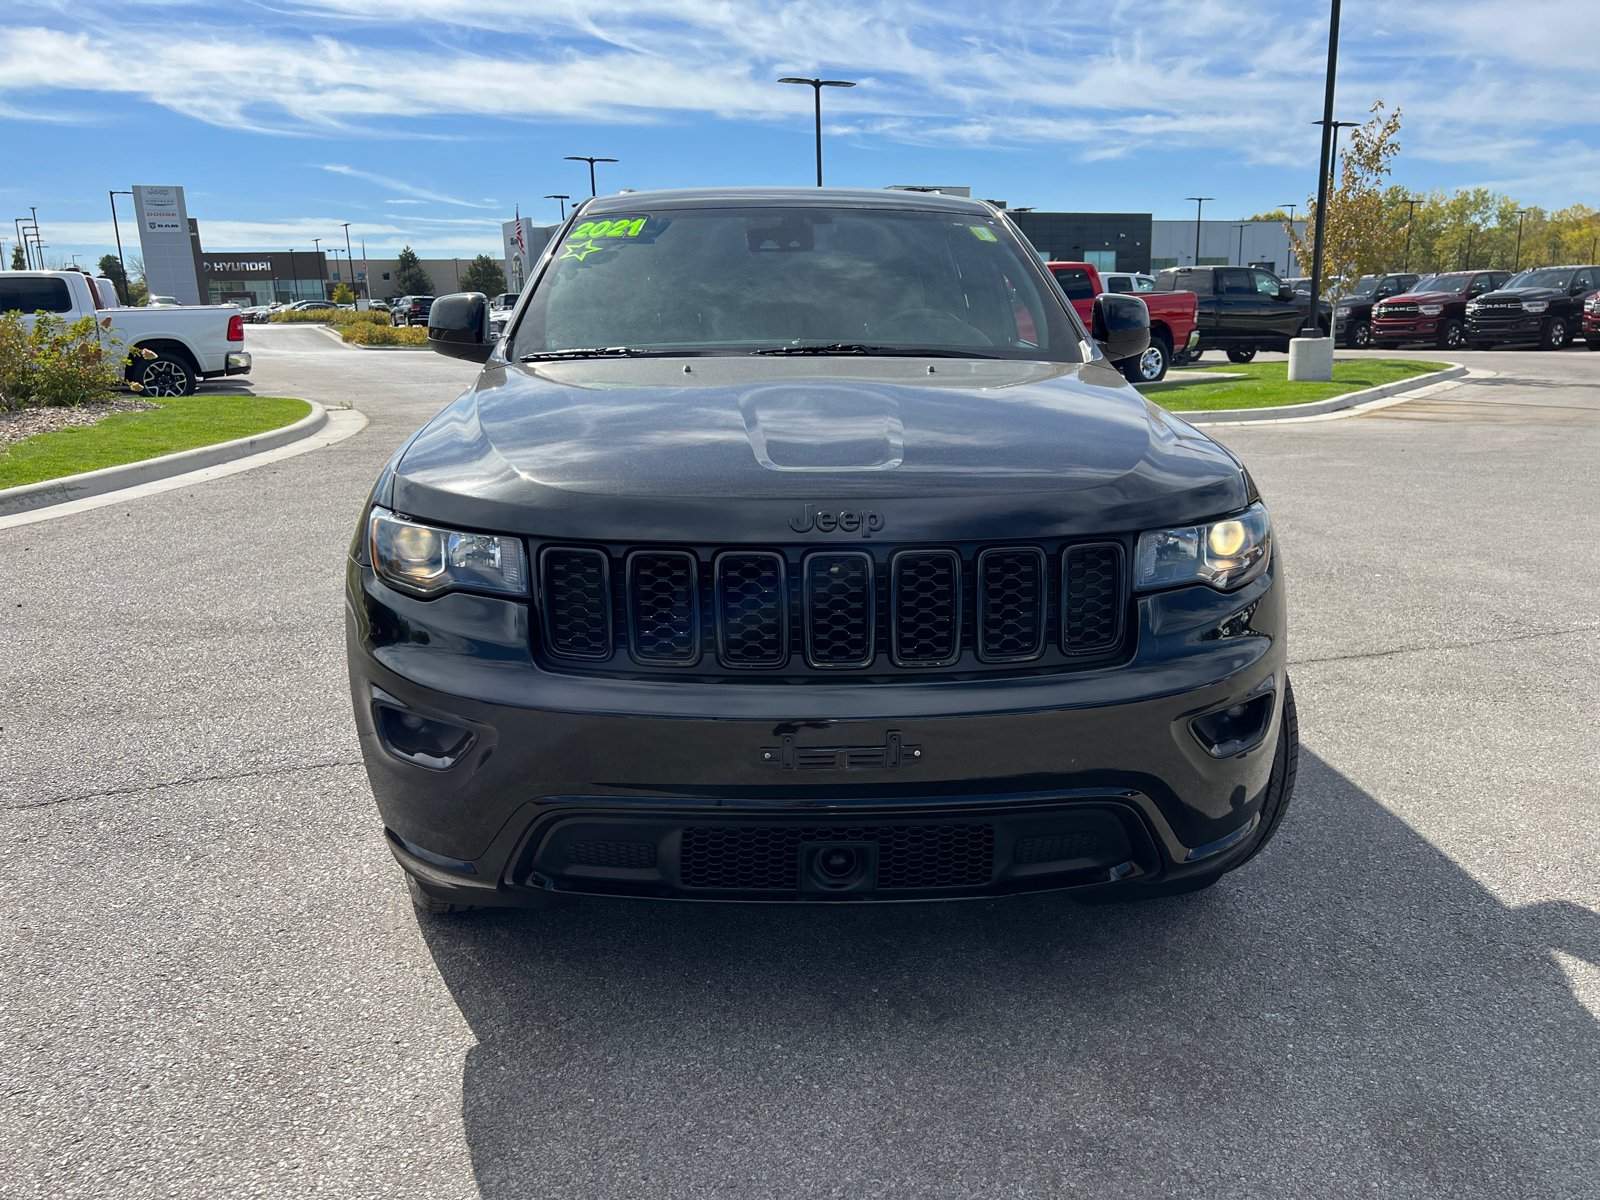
x=1351, y=1012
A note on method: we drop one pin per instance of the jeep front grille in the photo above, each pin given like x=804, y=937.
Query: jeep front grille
x=806, y=612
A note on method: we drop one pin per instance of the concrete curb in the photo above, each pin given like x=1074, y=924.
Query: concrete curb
x=1318, y=407
x=113, y=479
x=339, y=337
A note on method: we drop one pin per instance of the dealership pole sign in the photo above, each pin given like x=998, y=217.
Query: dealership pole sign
x=164, y=242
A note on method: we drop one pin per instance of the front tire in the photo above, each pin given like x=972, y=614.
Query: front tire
x=1592, y=343
x=1453, y=336
x=1151, y=366
x=1359, y=336
x=1242, y=355
x=167, y=375
x=1554, y=335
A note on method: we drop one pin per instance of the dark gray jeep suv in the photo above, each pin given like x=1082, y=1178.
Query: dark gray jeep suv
x=802, y=545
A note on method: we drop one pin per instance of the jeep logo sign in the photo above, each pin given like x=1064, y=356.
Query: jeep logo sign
x=865, y=521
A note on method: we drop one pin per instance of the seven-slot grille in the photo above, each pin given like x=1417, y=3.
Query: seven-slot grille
x=1024, y=603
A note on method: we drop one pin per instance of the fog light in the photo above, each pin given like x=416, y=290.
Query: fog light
x=1238, y=727
x=420, y=740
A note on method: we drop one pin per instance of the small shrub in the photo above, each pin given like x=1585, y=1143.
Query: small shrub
x=369, y=333
x=302, y=316
x=350, y=316
x=56, y=364
x=343, y=295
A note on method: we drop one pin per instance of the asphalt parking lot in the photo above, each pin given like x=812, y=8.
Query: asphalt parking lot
x=215, y=985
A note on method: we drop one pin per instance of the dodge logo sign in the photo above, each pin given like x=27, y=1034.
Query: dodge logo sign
x=865, y=521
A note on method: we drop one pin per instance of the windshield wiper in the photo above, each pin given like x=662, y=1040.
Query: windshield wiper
x=885, y=351
x=592, y=352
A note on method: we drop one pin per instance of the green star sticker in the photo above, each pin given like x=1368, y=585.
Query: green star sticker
x=579, y=252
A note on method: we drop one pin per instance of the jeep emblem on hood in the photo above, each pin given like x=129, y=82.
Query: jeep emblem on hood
x=865, y=521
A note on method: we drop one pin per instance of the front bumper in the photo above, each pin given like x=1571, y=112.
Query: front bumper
x=630, y=787
x=1526, y=327
x=1389, y=331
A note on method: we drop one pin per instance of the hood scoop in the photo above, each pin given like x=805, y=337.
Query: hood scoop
x=823, y=427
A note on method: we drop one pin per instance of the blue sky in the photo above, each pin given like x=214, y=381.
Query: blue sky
x=426, y=122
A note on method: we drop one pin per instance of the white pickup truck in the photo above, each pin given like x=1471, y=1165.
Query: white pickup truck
x=190, y=343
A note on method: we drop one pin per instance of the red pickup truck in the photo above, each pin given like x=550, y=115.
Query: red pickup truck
x=1174, y=326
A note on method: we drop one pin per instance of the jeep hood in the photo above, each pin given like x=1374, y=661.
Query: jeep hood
x=726, y=449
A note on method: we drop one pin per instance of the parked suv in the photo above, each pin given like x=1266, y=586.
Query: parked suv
x=803, y=545
x=1435, y=310
x=411, y=310
x=1543, y=306
x=1352, y=312
x=1242, y=309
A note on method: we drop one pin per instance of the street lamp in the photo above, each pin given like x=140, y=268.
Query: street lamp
x=1521, y=213
x=349, y=257
x=1240, y=228
x=126, y=295
x=1411, y=212
x=563, y=199
x=816, y=87
x=1333, y=163
x=1199, y=206
x=322, y=267
x=1314, y=312
x=591, y=162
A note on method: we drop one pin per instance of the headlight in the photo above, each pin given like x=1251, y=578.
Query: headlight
x=1343, y=310
x=425, y=561
x=1472, y=307
x=1535, y=306
x=1430, y=310
x=1224, y=554
x=1592, y=304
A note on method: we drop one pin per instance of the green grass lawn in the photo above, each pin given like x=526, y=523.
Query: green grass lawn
x=181, y=423
x=1266, y=385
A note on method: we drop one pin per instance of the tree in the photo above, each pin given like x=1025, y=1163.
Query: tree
x=409, y=277
x=343, y=295
x=111, y=268
x=1361, y=236
x=1276, y=214
x=19, y=259
x=484, y=275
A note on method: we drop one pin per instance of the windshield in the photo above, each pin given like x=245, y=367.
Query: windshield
x=1443, y=283
x=739, y=280
x=1546, y=278
x=1365, y=287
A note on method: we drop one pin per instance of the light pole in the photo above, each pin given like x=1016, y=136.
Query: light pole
x=1291, y=206
x=591, y=162
x=1240, y=228
x=322, y=267
x=349, y=256
x=1313, y=314
x=816, y=87
x=1411, y=212
x=1333, y=160
x=294, y=269
x=1199, y=207
x=1521, y=213
x=126, y=295
x=563, y=199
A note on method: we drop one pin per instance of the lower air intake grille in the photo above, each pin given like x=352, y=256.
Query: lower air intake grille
x=1055, y=848
x=839, y=609
x=1011, y=604
x=1091, y=609
x=752, y=609
x=635, y=855
x=767, y=858
x=577, y=609
x=663, y=607
x=926, y=587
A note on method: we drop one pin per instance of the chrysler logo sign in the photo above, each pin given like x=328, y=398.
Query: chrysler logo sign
x=866, y=522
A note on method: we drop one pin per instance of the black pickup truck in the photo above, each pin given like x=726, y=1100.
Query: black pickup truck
x=1543, y=305
x=1242, y=309
x=1352, y=313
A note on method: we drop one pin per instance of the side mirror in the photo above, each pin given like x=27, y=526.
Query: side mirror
x=1120, y=325
x=1285, y=292
x=458, y=326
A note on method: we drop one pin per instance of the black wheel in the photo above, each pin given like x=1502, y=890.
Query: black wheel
x=1592, y=343
x=1554, y=335
x=429, y=903
x=1453, y=336
x=1359, y=336
x=166, y=375
x=1151, y=366
x=1242, y=355
x=1280, y=791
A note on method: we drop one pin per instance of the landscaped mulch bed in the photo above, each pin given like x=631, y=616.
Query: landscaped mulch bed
x=26, y=422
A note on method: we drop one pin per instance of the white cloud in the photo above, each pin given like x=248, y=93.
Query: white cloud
x=400, y=185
